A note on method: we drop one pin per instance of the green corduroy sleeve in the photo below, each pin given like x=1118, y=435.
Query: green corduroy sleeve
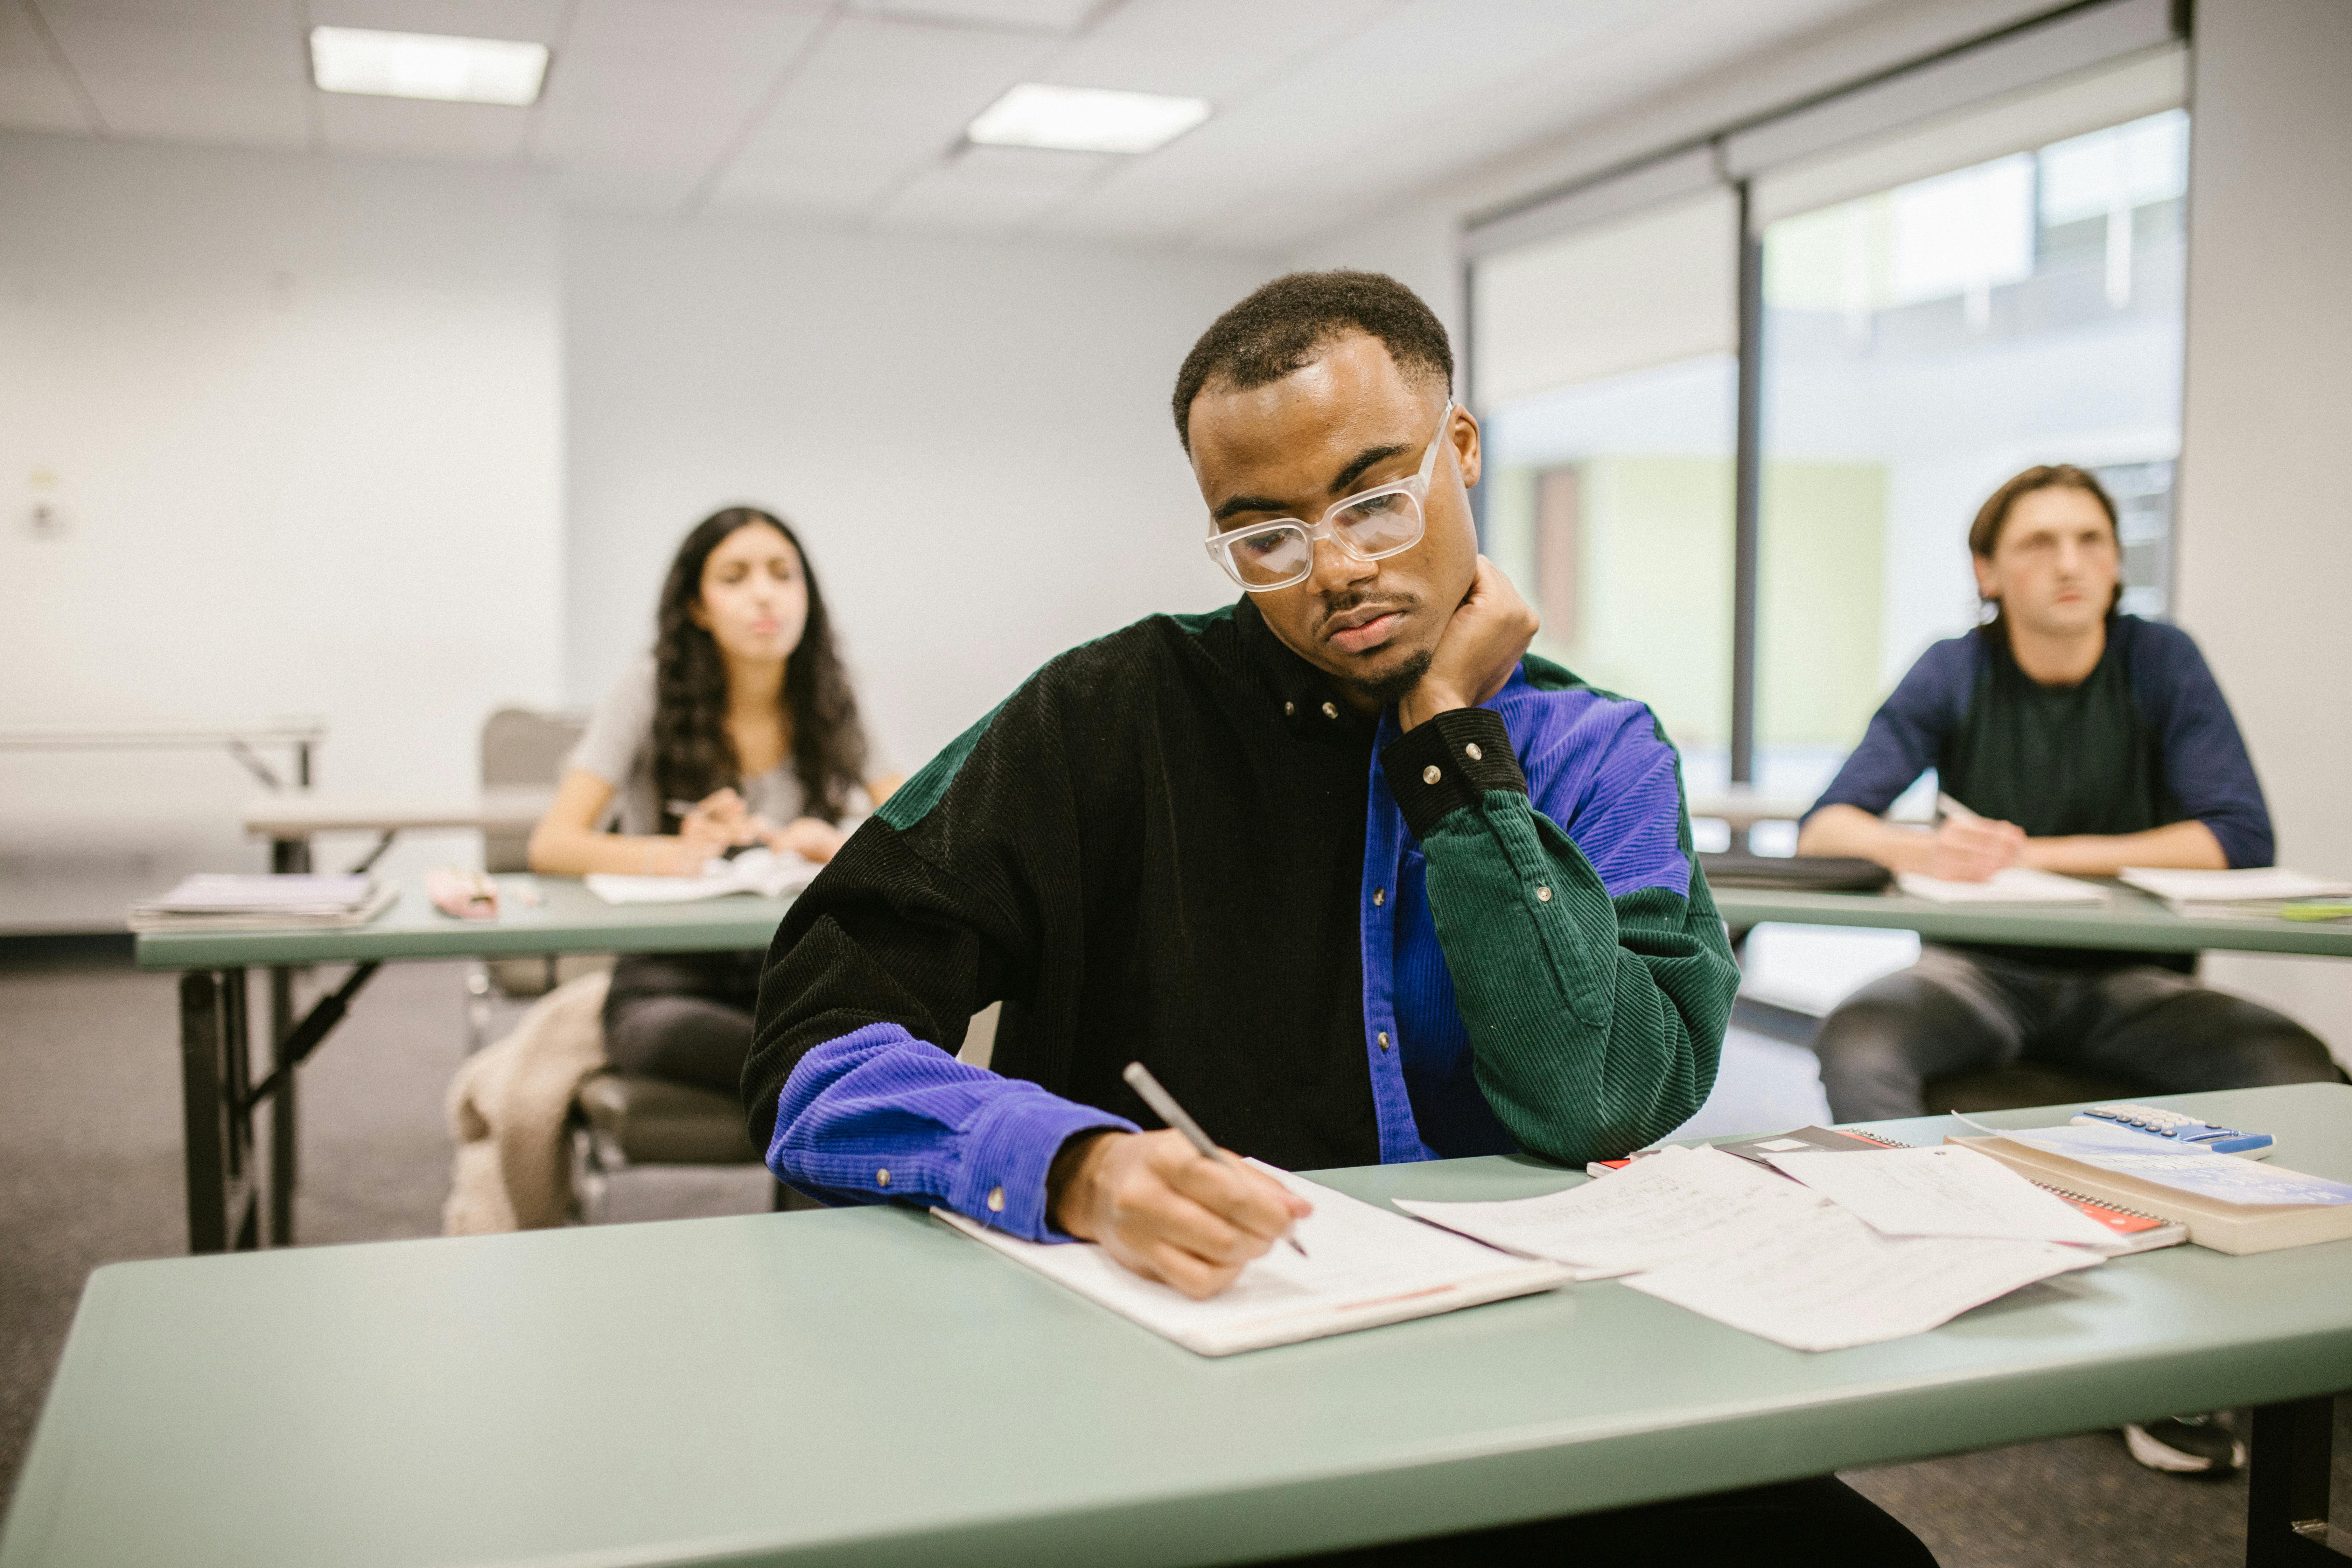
x=1595, y=1024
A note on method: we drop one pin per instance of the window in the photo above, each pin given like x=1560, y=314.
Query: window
x=1605, y=380
x=1922, y=343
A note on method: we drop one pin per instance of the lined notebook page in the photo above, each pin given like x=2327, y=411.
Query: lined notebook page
x=1365, y=1267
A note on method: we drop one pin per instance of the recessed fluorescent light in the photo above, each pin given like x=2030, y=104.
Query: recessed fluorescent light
x=427, y=65
x=1085, y=119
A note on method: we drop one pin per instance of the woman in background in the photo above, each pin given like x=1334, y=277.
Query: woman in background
x=745, y=712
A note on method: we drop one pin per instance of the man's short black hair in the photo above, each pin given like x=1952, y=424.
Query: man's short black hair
x=1278, y=329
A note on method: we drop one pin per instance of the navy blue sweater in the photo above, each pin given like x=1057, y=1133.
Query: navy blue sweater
x=2143, y=740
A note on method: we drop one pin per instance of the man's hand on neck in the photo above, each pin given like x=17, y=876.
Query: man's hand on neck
x=1481, y=646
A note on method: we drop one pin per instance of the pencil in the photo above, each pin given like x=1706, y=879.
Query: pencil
x=1163, y=1105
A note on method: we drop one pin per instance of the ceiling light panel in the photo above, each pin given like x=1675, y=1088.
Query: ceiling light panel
x=1085, y=119
x=427, y=65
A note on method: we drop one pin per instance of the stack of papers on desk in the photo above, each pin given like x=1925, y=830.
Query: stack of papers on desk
x=762, y=873
x=1363, y=1267
x=2009, y=885
x=1908, y=1245
x=2255, y=891
x=212, y=901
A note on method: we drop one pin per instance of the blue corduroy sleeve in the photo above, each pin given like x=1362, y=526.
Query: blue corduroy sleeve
x=877, y=1115
x=1909, y=729
x=2206, y=768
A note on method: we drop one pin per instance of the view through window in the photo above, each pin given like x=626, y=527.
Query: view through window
x=1921, y=344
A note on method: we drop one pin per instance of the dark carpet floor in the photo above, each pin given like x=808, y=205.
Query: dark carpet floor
x=89, y=1174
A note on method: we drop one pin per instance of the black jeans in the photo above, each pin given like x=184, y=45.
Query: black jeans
x=684, y=1015
x=1797, y=1525
x=2152, y=1030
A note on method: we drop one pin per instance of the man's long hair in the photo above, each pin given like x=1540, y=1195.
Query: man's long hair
x=1984, y=534
x=693, y=754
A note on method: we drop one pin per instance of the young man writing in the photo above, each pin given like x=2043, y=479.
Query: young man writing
x=1355, y=880
x=2082, y=741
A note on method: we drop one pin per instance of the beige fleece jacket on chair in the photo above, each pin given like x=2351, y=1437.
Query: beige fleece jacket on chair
x=510, y=1107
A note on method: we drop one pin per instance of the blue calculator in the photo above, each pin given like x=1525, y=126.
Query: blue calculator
x=2177, y=1129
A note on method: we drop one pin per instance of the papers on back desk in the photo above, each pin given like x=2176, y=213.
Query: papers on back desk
x=1732, y=1241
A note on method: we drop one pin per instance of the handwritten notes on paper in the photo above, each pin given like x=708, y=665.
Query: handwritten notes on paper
x=1948, y=1191
x=1730, y=1240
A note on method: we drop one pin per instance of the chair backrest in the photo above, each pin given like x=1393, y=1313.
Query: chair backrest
x=523, y=748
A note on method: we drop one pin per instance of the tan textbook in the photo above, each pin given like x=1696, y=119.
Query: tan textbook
x=2236, y=1228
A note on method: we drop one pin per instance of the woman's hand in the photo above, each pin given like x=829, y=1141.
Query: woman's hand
x=721, y=818
x=810, y=837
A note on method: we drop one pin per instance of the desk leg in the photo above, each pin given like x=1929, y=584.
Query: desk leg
x=218, y=1131
x=282, y=1124
x=286, y=856
x=2287, y=1484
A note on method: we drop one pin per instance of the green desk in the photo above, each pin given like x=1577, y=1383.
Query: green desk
x=218, y=1097
x=2130, y=921
x=866, y=1387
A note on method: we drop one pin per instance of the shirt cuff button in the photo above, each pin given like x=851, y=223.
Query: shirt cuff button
x=1472, y=753
x=1330, y=710
x=1543, y=895
x=996, y=1199
x=1430, y=774
x=881, y=1178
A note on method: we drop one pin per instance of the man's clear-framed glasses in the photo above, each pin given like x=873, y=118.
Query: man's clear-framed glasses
x=1370, y=525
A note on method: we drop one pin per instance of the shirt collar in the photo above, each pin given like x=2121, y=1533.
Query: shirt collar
x=1305, y=699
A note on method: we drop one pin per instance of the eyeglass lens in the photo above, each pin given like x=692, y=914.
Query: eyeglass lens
x=1376, y=526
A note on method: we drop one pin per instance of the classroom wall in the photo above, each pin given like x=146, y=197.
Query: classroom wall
x=972, y=437
x=302, y=419
x=2265, y=521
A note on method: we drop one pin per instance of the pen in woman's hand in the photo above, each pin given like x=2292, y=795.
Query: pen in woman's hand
x=1163, y=1105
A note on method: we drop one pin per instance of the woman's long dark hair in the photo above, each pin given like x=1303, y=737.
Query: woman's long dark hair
x=693, y=754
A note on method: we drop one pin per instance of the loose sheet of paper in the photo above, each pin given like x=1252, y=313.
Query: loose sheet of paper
x=1944, y=1191
x=1825, y=1281
x=1673, y=1204
x=1364, y=1267
x=2009, y=885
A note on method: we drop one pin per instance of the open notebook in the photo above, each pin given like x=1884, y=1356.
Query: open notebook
x=1364, y=1267
x=762, y=873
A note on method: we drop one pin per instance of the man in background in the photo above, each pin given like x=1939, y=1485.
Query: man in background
x=2081, y=740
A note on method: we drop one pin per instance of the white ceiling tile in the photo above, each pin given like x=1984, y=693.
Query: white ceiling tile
x=154, y=106
x=605, y=187
x=993, y=190
x=645, y=99
x=406, y=127
x=1026, y=16
x=278, y=14
x=228, y=59
x=1216, y=49
x=536, y=21
x=29, y=101
x=874, y=104
x=676, y=57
